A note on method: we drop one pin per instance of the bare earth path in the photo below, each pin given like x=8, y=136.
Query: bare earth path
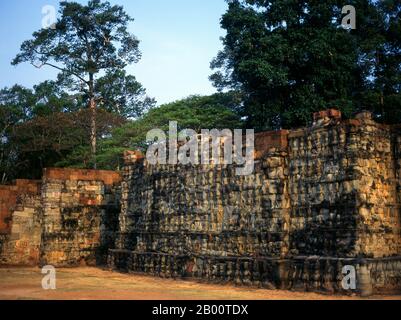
x=92, y=283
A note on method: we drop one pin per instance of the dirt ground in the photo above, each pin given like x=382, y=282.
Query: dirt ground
x=97, y=284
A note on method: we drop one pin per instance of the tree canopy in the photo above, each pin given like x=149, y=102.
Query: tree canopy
x=291, y=58
x=40, y=127
x=216, y=111
x=281, y=61
x=89, y=42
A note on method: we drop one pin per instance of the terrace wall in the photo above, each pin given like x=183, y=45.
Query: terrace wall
x=68, y=218
x=319, y=198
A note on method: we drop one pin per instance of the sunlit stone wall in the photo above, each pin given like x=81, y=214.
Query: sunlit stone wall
x=319, y=198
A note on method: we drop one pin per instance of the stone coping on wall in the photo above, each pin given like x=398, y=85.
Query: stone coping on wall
x=271, y=141
x=108, y=177
x=131, y=157
x=268, y=141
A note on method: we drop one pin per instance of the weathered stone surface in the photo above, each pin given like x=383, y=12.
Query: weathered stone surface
x=20, y=223
x=320, y=198
x=69, y=219
x=79, y=216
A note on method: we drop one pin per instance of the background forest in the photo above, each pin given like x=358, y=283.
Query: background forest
x=281, y=60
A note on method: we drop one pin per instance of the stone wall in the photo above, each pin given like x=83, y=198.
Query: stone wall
x=67, y=219
x=320, y=198
x=77, y=206
x=21, y=228
x=343, y=193
x=9, y=196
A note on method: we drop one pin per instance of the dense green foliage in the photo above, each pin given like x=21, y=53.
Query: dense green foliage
x=40, y=127
x=291, y=58
x=90, y=45
x=196, y=112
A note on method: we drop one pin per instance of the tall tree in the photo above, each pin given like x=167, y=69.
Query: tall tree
x=39, y=128
x=87, y=40
x=122, y=94
x=291, y=58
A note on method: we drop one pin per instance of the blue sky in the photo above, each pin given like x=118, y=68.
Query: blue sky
x=178, y=38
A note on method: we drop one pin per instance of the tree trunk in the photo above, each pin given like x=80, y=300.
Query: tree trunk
x=92, y=107
x=93, y=130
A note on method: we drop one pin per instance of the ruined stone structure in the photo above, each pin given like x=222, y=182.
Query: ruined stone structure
x=67, y=219
x=319, y=199
x=20, y=223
